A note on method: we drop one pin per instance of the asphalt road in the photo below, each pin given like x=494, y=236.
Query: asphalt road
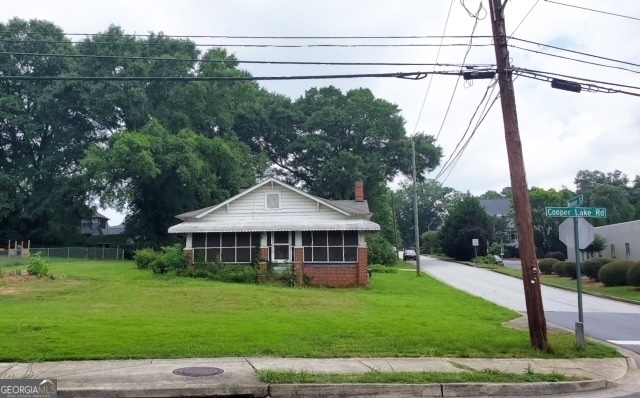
x=613, y=321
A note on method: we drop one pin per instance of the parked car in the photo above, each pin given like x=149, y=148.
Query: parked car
x=409, y=254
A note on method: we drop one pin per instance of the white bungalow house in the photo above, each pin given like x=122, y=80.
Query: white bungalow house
x=324, y=239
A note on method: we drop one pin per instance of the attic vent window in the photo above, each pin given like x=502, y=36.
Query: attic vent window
x=273, y=201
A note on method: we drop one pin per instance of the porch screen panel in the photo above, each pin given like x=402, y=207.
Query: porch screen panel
x=232, y=247
x=330, y=246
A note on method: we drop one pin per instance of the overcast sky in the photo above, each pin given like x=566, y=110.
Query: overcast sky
x=562, y=132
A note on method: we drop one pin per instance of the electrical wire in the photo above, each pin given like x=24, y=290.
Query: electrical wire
x=574, y=59
x=583, y=79
x=594, y=10
x=343, y=45
x=426, y=94
x=523, y=19
x=455, y=88
x=230, y=61
x=162, y=35
x=575, y=52
x=589, y=87
x=401, y=75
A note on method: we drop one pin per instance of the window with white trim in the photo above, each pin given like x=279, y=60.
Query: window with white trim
x=272, y=201
x=330, y=246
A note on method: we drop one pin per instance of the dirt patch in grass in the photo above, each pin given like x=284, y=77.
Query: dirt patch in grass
x=7, y=284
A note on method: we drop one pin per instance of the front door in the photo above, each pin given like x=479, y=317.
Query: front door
x=281, y=247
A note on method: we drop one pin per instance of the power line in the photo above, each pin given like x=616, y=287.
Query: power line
x=343, y=45
x=575, y=52
x=426, y=94
x=230, y=61
x=594, y=10
x=523, y=19
x=574, y=59
x=455, y=88
x=589, y=87
x=551, y=74
x=401, y=75
x=162, y=35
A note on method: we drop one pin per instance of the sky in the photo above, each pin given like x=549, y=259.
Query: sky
x=562, y=132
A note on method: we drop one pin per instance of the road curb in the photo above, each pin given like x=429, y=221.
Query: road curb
x=167, y=392
x=623, y=300
x=434, y=390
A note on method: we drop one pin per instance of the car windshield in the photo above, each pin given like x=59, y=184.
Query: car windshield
x=409, y=252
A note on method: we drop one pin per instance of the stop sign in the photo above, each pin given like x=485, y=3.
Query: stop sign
x=585, y=233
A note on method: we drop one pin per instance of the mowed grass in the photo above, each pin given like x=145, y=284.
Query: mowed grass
x=110, y=310
x=625, y=292
x=481, y=376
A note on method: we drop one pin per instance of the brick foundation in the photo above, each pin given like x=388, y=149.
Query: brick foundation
x=333, y=276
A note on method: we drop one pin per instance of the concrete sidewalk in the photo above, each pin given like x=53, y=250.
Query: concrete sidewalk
x=155, y=378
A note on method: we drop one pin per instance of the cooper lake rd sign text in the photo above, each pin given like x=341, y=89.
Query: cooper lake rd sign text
x=593, y=212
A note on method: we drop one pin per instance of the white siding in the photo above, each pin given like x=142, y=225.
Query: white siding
x=292, y=206
x=621, y=235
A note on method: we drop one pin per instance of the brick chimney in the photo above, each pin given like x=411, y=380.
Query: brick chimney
x=359, y=191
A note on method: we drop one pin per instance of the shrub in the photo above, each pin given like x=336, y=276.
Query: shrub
x=175, y=257
x=38, y=266
x=558, y=268
x=382, y=269
x=144, y=258
x=159, y=265
x=557, y=255
x=592, y=266
x=615, y=273
x=380, y=250
x=546, y=265
x=633, y=275
x=570, y=269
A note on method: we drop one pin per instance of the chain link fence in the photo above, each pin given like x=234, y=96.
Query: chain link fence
x=11, y=257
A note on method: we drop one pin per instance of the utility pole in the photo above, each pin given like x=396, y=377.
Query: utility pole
x=395, y=225
x=415, y=208
x=524, y=222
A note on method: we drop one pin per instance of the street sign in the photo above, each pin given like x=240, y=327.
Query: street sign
x=593, y=212
x=576, y=202
x=475, y=242
x=586, y=233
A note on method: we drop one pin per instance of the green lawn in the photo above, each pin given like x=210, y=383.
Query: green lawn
x=100, y=310
x=482, y=376
x=625, y=292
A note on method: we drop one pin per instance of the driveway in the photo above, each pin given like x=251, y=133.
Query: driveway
x=613, y=321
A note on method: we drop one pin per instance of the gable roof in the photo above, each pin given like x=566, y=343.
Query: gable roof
x=352, y=206
x=340, y=207
x=496, y=207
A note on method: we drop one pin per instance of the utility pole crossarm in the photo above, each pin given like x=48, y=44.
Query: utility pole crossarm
x=524, y=221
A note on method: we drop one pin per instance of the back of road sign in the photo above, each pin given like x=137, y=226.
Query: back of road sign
x=586, y=233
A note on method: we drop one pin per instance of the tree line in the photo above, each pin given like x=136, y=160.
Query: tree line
x=154, y=149
x=449, y=219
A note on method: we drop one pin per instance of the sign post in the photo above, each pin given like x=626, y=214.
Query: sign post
x=574, y=211
x=475, y=243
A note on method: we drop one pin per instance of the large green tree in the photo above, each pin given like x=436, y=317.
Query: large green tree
x=434, y=203
x=466, y=221
x=45, y=128
x=155, y=175
x=546, y=229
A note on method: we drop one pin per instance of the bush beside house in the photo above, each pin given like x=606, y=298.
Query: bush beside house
x=633, y=275
x=558, y=268
x=570, y=269
x=560, y=256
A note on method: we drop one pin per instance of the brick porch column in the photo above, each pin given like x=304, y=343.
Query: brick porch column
x=264, y=259
x=189, y=253
x=298, y=264
x=363, y=266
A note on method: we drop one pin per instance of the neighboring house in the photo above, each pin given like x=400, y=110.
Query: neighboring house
x=501, y=208
x=97, y=229
x=273, y=221
x=623, y=240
